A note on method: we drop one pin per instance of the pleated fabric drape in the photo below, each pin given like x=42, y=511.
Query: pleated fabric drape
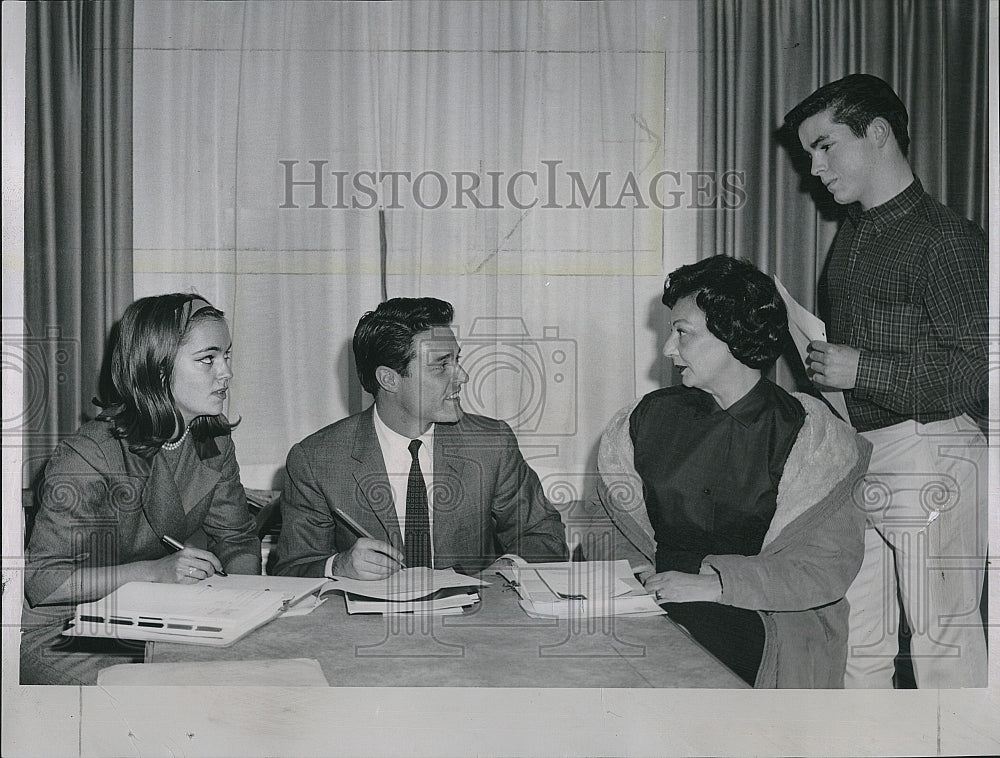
x=78, y=208
x=273, y=138
x=763, y=56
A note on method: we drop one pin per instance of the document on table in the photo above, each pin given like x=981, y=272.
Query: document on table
x=579, y=589
x=216, y=611
x=411, y=590
x=442, y=602
x=804, y=328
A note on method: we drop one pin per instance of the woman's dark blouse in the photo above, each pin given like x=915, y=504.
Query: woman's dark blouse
x=710, y=476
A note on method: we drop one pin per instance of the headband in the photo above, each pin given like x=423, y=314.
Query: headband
x=190, y=308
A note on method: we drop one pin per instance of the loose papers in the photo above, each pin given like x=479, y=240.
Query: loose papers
x=413, y=590
x=578, y=589
x=804, y=328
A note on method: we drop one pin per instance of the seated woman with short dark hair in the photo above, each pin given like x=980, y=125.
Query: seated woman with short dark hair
x=731, y=497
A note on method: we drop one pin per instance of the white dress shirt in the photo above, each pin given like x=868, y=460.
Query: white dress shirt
x=397, y=459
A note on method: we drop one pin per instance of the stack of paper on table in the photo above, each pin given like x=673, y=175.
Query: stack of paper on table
x=217, y=611
x=413, y=590
x=579, y=589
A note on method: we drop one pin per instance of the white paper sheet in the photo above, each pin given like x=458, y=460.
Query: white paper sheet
x=804, y=328
x=406, y=584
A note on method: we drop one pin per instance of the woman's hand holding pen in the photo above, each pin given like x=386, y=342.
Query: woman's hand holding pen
x=186, y=566
x=368, y=559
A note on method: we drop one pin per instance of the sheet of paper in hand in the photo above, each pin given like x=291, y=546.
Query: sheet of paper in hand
x=804, y=328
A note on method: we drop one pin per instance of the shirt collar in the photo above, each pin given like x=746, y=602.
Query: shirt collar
x=397, y=441
x=886, y=214
x=748, y=408
x=744, y=411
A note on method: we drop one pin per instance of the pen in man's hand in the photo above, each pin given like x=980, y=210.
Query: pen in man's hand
x=353, y=525
x=177, y=545
x=359, y=530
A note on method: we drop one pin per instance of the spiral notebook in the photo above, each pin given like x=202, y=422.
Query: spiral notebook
x=217, y=611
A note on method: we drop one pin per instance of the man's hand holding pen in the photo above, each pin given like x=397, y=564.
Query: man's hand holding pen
x=368, y=559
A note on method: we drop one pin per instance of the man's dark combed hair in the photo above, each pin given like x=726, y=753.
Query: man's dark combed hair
x=855, y=101
x=137, y=400
x=384, y=336
x=741, y=304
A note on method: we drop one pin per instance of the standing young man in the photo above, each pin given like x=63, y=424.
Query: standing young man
x=906, y=284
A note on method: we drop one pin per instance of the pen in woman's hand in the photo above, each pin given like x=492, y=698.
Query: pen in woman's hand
x=177, y=545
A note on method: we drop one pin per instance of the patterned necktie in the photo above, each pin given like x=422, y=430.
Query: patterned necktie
x=417, y=543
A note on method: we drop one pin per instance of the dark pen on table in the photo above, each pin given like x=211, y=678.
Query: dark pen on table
x=360, y=531
x=177, y=545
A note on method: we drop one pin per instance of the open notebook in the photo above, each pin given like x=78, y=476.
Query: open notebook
x=217, y=611
x=220, y=610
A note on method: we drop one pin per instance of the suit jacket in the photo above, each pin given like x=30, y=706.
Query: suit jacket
x=101, y=505
x=487, y=501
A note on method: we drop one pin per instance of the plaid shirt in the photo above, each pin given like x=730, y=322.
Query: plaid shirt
x=906, y=283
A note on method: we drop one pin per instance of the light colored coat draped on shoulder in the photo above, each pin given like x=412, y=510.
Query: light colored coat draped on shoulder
x=810, y=554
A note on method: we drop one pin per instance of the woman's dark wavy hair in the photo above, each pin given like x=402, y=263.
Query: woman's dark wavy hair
x=384, y=336
x=137, y=399
x=741, y=304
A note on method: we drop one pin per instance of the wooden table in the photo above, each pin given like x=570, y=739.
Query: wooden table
x=493, y=644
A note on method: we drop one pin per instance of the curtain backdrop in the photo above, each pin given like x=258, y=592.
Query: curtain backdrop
x=511, y=147
x=767, y=55
x=78, y=208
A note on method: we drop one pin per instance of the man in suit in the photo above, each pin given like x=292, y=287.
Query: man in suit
x=412, y=480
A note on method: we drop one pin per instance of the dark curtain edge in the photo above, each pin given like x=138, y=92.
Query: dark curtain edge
x=78, y=209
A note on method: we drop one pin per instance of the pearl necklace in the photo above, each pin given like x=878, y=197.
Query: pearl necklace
x=177, y=444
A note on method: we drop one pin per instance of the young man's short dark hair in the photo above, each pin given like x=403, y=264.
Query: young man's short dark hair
x=855, y=101
x=384, y=336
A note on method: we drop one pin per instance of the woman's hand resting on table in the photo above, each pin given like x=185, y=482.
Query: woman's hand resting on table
x=678, y=587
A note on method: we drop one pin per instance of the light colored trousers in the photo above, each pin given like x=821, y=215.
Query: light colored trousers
x=925, y=495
